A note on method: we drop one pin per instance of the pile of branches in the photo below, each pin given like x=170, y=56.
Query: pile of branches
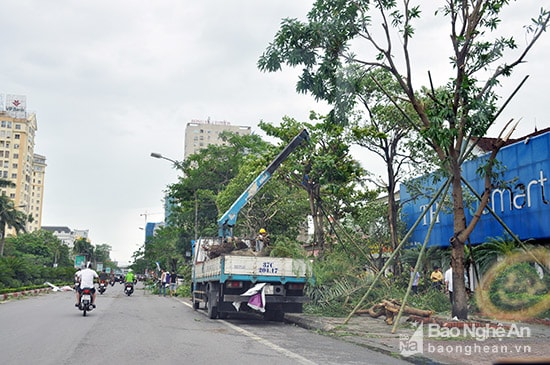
x=227, y=246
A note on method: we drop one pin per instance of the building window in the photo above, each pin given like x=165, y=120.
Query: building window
x=17, y=136
x=17, y=126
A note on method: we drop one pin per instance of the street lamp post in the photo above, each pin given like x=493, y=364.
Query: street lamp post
x=179, y=166
x=158, y=155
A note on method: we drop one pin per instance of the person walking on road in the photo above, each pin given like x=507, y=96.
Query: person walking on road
x=166, y=282
x=173, y=283
x=162, y=280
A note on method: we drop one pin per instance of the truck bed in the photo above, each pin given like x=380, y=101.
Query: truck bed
x=228, y=267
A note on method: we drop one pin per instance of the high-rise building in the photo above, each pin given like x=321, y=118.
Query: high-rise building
x=202, y=133
x=18, y=162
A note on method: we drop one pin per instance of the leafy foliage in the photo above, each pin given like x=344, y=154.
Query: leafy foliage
x=446, y=117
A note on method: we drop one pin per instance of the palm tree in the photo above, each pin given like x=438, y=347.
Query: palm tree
x=10, y=217
x=82, y=246
x=494, y=249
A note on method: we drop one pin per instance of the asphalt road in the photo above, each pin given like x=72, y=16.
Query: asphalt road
x=147, y=329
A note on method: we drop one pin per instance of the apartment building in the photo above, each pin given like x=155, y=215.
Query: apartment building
x=18, y=162
x=201, y=133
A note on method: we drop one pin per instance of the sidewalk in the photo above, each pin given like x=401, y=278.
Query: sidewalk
x=525, y=343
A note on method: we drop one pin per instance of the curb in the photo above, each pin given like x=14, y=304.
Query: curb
x=24, y=293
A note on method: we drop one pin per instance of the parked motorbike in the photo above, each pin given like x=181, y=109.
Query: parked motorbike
x=102, y=287
x=128, y=288
x=86, y=301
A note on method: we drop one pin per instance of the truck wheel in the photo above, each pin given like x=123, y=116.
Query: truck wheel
x=212, y=309
x=195, y=304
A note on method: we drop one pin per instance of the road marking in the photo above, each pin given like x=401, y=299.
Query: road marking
x=292, y=355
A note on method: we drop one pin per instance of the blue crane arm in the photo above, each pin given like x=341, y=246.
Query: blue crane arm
x=229, y=218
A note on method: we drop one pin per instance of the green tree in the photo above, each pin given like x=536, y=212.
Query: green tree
x=325, y=169
x=83, y=246
x=10, y=217
x=39, y=248
x=460, y=111
x=383, y=129
x=278, y=206
x=163, y=248
x=205, y=174
x=102, y=254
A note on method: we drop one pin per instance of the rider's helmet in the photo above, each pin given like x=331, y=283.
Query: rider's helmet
x=262, y=231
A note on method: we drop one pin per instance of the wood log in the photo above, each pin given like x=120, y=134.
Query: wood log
x=376, y=311
x=391, y=307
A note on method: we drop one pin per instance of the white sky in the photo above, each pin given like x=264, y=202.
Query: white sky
x=113, y=81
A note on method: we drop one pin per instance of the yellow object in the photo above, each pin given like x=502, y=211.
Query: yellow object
x=262, y=231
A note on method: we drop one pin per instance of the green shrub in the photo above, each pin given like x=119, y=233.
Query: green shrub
x=517, y=287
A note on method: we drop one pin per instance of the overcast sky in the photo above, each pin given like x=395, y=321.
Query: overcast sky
x=112, y=81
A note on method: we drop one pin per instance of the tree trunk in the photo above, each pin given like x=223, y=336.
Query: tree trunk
x=392, y=222
x=317, y=216
x=460, y=299
x=2, y=240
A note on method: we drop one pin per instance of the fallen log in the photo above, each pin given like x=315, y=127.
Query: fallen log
x=391, y=307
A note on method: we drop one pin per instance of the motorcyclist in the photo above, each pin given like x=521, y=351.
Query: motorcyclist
x=103, y=277
x=129, y=282
x=130, y=277
x=86, y=279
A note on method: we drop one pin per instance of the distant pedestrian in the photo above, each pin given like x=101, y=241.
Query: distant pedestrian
x=162, y=282
x=437, y=278
x=449, y=283
x=166, y=282
x=415, y=275
x=173, y=283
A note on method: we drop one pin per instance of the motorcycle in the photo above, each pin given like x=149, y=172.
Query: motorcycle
x=112, y=282
x=102, y=287
x=128, y=288
x=86, y=301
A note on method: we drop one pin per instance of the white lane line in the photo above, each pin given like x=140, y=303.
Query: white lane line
x=290, y=354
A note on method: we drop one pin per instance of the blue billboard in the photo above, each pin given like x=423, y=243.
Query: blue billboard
x=523, y=202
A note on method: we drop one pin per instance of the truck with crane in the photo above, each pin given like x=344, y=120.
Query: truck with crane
x=231, y=283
